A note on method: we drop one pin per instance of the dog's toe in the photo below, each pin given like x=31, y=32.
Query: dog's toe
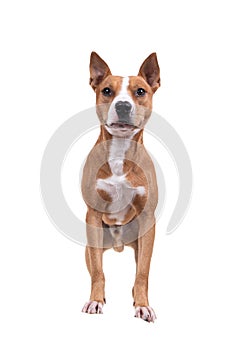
x=146, y=313
x=93, y=307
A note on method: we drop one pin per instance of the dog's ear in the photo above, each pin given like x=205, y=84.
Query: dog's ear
x=98, y=70
x=149, y=70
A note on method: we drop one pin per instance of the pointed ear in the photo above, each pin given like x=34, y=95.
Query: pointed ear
x=98, y=70
x=149, y=70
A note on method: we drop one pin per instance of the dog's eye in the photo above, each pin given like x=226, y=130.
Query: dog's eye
x=140, y=92
x=107, y=92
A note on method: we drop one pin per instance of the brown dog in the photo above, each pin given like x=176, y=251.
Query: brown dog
x=119, y=181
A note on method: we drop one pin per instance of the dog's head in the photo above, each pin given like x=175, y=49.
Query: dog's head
x=124, y=104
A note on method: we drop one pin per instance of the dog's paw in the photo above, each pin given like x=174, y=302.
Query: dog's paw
x=146, y=313
x=93, y=307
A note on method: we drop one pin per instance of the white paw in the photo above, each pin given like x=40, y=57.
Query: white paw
x=146, y=313
x=93, y=307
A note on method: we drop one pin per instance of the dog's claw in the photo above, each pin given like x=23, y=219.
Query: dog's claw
x=146, y=313
x=93, y=307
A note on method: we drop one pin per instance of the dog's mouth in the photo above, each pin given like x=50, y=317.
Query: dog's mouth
x=121, y=126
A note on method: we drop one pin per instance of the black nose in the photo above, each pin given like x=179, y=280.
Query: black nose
x=123, y=109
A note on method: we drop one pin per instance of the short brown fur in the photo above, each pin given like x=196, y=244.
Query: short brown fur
x=149, y=79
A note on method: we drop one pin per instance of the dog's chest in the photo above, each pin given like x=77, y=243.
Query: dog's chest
x=117, y=186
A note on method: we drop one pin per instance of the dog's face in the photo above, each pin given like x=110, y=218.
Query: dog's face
x=124, y=104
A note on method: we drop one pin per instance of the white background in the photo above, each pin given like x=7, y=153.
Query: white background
x=45, y=48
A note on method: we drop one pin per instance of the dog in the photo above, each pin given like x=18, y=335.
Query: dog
x=119, y=183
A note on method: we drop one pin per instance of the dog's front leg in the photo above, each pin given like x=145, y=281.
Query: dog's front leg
x=94, y=255
x=143, y=255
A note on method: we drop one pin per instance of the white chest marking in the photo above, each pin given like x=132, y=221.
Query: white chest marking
x=117, y=186
x=118, y=148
